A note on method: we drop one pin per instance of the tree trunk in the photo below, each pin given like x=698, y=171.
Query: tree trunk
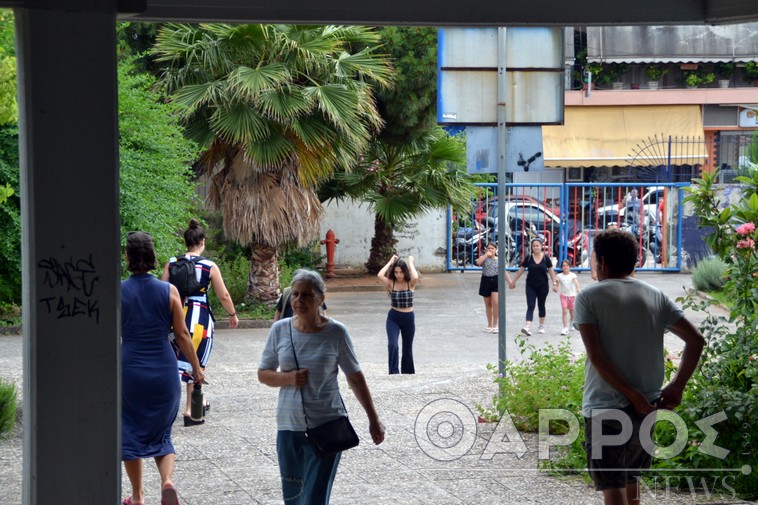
x=263, y=280
x=382, y=246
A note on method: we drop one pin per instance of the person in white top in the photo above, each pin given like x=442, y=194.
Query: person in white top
x=568, y=288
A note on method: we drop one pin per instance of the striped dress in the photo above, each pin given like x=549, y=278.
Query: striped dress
x=198, y=318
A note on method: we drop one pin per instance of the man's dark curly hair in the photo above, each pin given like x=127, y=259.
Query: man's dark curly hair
x=618, y=249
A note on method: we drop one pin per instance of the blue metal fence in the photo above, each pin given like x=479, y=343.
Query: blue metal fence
x=567, y=216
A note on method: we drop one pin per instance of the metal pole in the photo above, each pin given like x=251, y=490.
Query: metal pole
x=502, y=142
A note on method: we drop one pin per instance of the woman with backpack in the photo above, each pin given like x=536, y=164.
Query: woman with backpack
x=197, y=309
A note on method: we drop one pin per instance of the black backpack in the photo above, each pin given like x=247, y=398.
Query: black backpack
x=182, y=275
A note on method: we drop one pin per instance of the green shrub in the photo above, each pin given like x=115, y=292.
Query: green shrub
x=7, y=407
x=235, y=271
x=709, y=274
x=10, y=314
x=727, y=382
x=234, y=262
x=550, y=377
x=303, y=257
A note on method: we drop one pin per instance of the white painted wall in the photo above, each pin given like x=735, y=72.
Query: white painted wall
x=353, y=224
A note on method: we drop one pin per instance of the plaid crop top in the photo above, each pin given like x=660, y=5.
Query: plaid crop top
x=401, y=299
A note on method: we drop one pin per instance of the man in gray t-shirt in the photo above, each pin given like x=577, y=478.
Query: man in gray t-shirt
x=622, y=321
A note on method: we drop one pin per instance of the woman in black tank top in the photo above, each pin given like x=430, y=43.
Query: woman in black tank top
x=400, y=279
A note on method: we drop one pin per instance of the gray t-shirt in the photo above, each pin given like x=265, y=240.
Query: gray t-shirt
x=632, y=317
x=321, y=353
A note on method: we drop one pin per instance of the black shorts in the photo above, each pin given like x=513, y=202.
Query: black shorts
x=620, y=464
x=488, y=285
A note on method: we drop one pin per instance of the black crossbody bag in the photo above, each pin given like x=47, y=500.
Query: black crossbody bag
x=333, y=436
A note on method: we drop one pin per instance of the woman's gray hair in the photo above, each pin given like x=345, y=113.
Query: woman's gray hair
x=312, y=277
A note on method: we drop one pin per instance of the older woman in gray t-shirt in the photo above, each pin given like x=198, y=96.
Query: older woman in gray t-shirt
x=322, y=345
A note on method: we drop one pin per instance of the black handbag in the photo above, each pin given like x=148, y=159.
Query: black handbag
x=332, y=436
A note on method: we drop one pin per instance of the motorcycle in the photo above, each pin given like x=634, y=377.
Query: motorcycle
x=578, y=247
x=642, y=235
x=469, y=242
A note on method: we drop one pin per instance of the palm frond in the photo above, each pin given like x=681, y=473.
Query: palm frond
x=193, y=96
x=337, y=103
x=365, y=64
x=248, y=82
x=197, y=128
x=271, y=151
x=239, y=124
x=285, y=104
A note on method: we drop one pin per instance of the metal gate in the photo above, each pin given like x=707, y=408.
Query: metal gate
x=566, y=217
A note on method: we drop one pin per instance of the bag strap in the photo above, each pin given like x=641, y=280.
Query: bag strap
x=302, y=395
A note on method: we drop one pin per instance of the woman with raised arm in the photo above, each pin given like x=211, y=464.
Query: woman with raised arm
x=400, y=279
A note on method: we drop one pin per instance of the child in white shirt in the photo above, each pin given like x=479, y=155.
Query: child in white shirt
x=568, y=288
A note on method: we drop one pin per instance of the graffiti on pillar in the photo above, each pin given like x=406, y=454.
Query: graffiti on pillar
x=74, y=284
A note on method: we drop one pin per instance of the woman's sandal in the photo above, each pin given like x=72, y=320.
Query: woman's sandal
x=168, y=495
x=188, y=421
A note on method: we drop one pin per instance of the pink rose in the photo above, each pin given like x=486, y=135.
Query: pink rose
x=746, y=243
x=746, y=229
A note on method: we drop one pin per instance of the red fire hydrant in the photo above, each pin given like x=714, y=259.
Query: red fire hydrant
x=330, y=243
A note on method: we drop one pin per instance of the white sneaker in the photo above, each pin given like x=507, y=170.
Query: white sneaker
x=487, y=330
x=494, y=329
x=541, y=329
x=565, y=331
x=526, y=331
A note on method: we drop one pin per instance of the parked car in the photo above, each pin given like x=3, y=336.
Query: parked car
x=648, y=204
x=528, y=218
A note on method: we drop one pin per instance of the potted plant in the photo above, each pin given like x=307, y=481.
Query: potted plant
x=692, y=80
x=607, y=74
x=698, y=78
x=751, y=71
x=655, y=73
x=617, y=71
x=725, y=71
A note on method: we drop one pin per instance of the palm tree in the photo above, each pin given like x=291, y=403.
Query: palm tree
x=403, y=181
x=276, y=109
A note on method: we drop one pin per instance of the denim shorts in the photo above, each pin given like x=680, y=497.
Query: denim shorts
x=617, y=465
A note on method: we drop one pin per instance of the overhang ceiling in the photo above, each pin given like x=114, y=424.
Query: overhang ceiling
x=439, y=12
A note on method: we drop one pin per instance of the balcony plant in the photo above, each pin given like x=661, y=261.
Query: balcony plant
x=724, y=71
x=606, y=74
x=655, y=73
x=698, y=78
x=751, y=71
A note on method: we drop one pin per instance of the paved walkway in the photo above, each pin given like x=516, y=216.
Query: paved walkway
x=232, y=458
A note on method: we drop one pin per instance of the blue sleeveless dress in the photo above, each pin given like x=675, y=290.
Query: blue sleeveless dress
x=151, y=389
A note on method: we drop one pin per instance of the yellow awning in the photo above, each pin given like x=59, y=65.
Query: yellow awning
x=636, y=135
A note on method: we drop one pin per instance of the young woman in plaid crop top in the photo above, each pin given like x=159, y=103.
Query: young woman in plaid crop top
x=488, y=289
x=400, y=278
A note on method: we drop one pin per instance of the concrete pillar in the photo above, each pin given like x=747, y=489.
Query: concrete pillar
x=70, y=248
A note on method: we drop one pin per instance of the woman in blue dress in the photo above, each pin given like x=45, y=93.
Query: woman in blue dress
x=198, y=316
x=151, y=390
